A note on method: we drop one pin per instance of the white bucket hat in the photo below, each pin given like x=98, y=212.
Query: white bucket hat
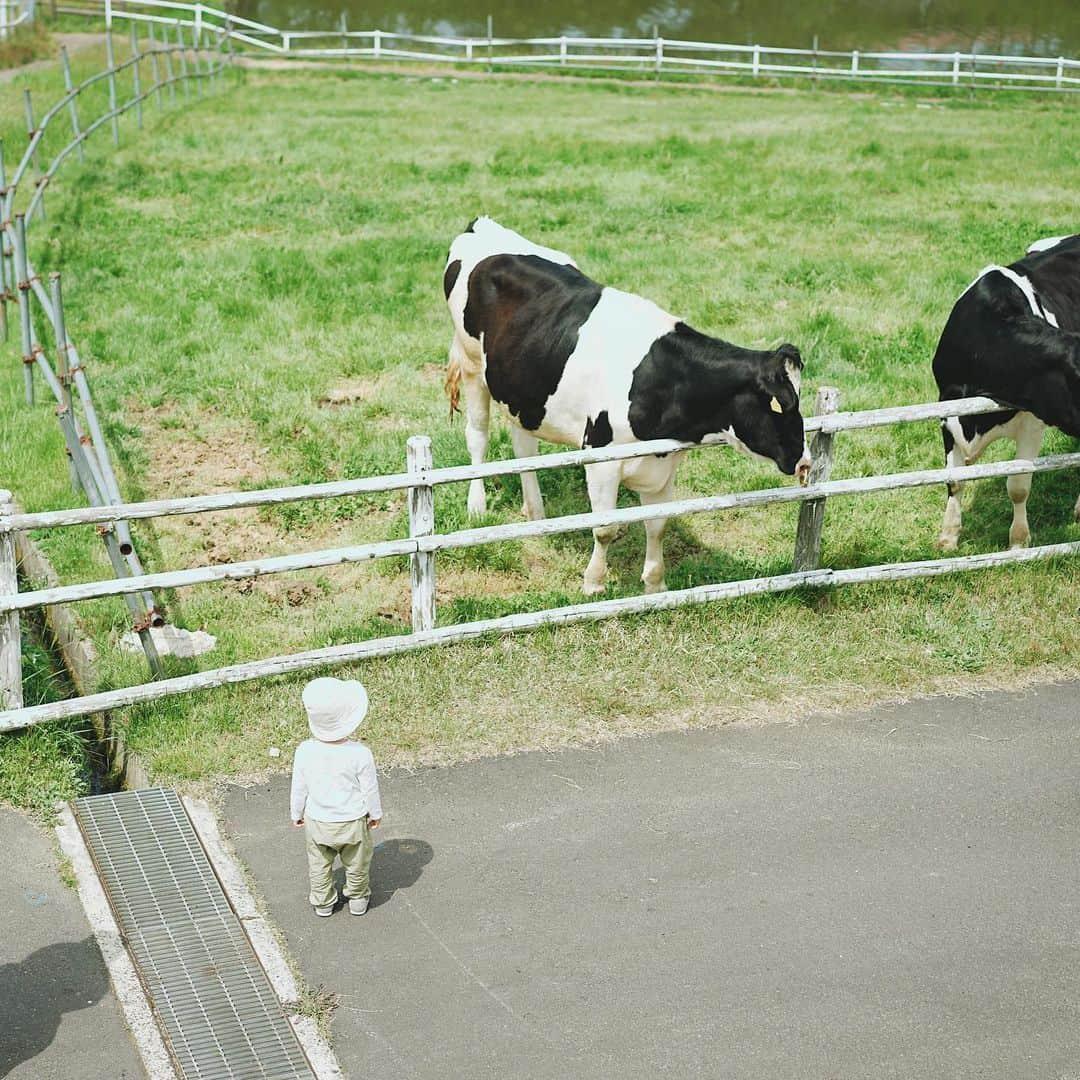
x=335, y=707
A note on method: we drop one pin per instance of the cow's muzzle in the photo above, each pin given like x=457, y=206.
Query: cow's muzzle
x=802, y=470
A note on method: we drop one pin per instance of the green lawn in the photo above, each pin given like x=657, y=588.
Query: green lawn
x=285, y=238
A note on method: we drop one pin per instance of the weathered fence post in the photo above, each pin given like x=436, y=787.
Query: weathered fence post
x=11, y=695
x=659, y=62
x=31, y=131
x=855, y=63
x=110, y=60
x=136, y=80
x=72, y=108
x=812, y=512
x=421, y=523
x=815, y=75
x=956, y=69
x=756, y=63
x=491, y=43
x=22, y=294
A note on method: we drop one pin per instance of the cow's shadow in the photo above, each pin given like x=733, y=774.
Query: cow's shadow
x=689, y=559
x=35, y=993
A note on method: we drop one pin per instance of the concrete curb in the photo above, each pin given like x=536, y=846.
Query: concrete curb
x=320, y=1055
x=134, y=1006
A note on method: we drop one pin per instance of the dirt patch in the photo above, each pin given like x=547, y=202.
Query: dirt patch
x=350, y=391
x=197, y=455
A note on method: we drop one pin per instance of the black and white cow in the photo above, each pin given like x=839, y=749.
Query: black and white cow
x=1014, y=335
x=582, y=364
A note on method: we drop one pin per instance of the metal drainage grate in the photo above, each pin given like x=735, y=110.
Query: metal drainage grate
x=219, y=1014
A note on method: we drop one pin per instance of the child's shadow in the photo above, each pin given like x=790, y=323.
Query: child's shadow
x=396, y=864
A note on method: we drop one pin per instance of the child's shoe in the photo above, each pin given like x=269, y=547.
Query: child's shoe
x=358, y=905
x=325, y=912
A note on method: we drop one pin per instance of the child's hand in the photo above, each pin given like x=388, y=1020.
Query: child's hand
x=299, y=823
x=375, y=822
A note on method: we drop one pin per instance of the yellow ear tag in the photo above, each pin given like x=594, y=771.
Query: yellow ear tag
x=775, y=406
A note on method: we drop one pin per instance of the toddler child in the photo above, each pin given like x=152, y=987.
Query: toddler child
x=335, y=793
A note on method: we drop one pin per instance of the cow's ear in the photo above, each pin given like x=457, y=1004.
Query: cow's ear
x=788, y=354
x=775, y=387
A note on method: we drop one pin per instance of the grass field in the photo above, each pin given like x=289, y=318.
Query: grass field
x=255, y=284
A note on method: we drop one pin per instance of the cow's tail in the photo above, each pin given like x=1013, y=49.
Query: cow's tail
x=452, y=386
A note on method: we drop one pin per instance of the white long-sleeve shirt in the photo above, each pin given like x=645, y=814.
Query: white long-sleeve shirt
x=334, y=782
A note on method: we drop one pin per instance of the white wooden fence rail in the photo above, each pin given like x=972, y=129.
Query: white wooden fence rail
x=424, y=542
x=653, y=54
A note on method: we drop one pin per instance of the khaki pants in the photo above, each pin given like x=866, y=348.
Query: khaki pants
x=349, y=839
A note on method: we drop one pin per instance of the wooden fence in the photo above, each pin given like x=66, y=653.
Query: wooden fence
x=655, y=55
x=419, y=480
x=150, y=70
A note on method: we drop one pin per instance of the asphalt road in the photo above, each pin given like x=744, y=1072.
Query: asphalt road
x=58, y=1017
x=889, y=894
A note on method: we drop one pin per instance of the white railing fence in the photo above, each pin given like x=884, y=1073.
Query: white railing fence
x=13, y=14
x=155, y=67
x=656, y=55
x=422, y=545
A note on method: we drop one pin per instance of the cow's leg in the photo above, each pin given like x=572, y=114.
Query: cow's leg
x=950, y=527
x=653, y=574
x=1076, y=509
x=477, y=418
x=603, y=483
x=954, y=458
x=1029, y=438
x=525, y=445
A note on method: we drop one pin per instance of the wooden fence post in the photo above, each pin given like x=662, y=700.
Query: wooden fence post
x=11, y=695
x=812, y=512
x=421, y=523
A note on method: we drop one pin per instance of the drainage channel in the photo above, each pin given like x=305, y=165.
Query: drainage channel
x=218, y=1013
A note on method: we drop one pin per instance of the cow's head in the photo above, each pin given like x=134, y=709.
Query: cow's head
x=766, y=417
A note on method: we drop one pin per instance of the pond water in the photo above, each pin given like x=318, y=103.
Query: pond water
x=1036, y=27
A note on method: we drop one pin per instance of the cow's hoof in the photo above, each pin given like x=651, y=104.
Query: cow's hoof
x=947, y=543
x=477, y=507
x=532, y=515
x=1019, y=542
x=660, y=586
x=1076, y=510
x=592, y=588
